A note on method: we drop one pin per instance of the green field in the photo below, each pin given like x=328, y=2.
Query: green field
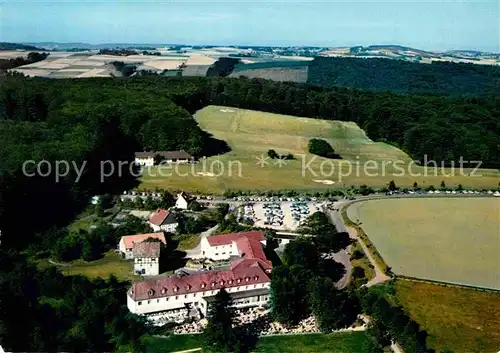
x=444, y=239
x=462, y=320
x=252, y=133
x=110, y=264
x=282, y=71
x=313, y=343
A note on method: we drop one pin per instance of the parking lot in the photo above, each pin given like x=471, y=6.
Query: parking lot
x=287, y=215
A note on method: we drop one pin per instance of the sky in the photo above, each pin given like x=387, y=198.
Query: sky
x=431, y=25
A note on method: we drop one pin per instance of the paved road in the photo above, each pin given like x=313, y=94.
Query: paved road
x=343, y=257
x=337, y=219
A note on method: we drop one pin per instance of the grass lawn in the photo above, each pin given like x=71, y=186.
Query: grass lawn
x=186, y=242
x=251, y=134
x=444, y=239
x=363, y=262
x=111, y=263
x=88, y=218
x=315, y=343
x=462, y=320
x=173, y=343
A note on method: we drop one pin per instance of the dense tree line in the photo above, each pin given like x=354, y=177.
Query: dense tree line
x=125, y=69
x=405, y=77
x=391, y=323
x=222, y=67
x=44, y=311
x=305, y=283
x=117, y=52
x=33, y=57
x=17, y=46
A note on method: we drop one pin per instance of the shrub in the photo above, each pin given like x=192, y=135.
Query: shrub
x=322, y=148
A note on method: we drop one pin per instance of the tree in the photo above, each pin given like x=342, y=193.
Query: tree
x=302, y=251
x=132, y=225
x=222, y=210
x=333, y=308
x=138, y=203
x=289, y=294
x=322, y=148
x=272, y=154
x=415, y=185
x=392, y=186
x=158, y=158
x=331, y=269
x=358, y=272
x=99, y=209
x=150, y=204
x=219, y=333
x=271, y=241
x=195, y=206
x=443, y=185
x=167, y=200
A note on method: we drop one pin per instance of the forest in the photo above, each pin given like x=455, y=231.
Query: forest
x=405, y=77
x=98, y=119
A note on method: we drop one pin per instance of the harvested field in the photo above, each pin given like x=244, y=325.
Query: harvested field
x=461, y=320
x=195, y=70
x=452, y=240
x=66, y=73
x=52, y=65
x=33, y=72
x=197, y=59
x=12, y=54
x=92, y=63
x=94, y=73
x=164, y=64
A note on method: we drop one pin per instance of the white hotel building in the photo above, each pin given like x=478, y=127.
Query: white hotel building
x=247, y=281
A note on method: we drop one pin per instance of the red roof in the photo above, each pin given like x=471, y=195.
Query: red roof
x=129, y=240
x=146, y=249
x=249, y=273
x=251, y=269
x=248, y=243
x=159, y=217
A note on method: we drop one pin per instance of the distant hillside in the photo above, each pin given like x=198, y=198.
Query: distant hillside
x=16, y=46
x=405, y=77
x=397, y=47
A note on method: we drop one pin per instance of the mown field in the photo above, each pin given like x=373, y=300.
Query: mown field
x=252, y=133
x=288, y=71
x=315, y=343
x=461, y=320
x=443, y=239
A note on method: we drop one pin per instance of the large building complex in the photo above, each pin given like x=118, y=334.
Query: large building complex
x=175, y=298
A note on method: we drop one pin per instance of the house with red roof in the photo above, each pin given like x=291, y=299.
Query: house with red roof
x=175, y=298
x=163, y=220
x=126, y=244
x=225, y=246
